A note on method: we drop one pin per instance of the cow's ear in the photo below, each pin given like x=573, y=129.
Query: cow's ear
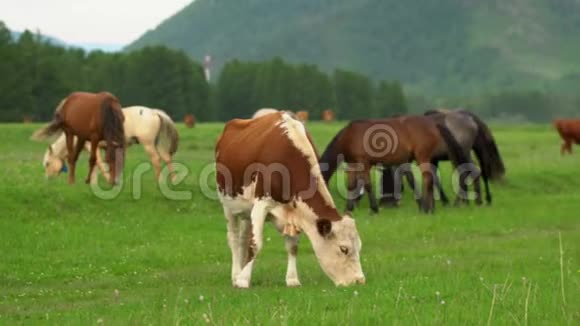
x=324, y=227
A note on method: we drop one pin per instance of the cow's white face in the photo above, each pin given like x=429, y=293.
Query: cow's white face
x=338, y=252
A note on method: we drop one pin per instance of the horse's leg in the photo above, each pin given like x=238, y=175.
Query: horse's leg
x=353, y=190
x=70, y=148
x=388, y=187
x=95, y=174
x=566, y=147
x=477, y=188
x=444, y=199
x=411, y=181
x=93, y=159
x=427, y=173
x=366, y=176
x=166, y=157
x=101, y=165
x=154, y=156
x=74, y=156
x=486, y=184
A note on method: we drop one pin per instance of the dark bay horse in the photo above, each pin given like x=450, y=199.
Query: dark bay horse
x=94, y=118
x=389, y=142
x=472, y=134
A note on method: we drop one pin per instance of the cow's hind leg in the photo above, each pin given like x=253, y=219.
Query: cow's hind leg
x=258, y=217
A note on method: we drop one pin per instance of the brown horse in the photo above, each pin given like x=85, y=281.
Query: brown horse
x=390, y=142
x=94, y=118
x=189, y=120
x=328, y=115
x=471, y=133
x=302, y=116
x=569, y=130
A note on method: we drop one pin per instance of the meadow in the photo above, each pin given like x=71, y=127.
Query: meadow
x=68, y=256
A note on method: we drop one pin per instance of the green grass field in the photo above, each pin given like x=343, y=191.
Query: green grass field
x=69, y=257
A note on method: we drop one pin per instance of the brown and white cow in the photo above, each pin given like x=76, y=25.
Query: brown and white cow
x=267, y=170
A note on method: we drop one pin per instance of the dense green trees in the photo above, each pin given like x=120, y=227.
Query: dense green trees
x=35, y=75
x=243, y=87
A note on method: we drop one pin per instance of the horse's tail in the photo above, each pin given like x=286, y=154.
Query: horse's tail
x=113, y=129
x=456, y=154
x=331, y=157
x=487, y=151
x=167, y=129
x=53, y=127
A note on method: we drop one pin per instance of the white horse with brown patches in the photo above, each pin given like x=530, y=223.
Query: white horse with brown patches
x=152, y=128
x=267, y=169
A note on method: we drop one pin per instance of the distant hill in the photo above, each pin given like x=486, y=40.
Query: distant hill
x=53, y=40
x=453, y=47
x=86, y=46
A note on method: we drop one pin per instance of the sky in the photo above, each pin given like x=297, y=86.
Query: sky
x=107, y=22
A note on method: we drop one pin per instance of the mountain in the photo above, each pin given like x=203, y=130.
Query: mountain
x=106, y=47
x=451, y=47
x=50, y=39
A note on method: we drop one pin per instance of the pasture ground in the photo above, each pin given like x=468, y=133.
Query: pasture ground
x=69, y=257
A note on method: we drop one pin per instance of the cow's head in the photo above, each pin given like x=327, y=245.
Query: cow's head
x=338, y=251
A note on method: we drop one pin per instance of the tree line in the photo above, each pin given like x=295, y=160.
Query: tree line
x=36, y=74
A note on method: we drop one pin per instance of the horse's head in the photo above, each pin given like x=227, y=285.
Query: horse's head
x=53, y=165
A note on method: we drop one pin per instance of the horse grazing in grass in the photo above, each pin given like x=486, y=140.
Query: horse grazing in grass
x=92, y=117
x=152, y=128
x=569, y=130
x=472, y=134
x=389, y=142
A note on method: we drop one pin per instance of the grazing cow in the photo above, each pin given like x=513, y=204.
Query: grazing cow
x=267, y=170
x=302, y=115
x=189, y=120
x=328, y=115
x=569, y=130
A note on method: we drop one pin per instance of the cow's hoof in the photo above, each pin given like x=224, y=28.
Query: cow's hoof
x=242, y=284
x=293, y=283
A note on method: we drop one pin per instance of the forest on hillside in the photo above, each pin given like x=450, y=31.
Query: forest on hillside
x=443, y=48
x=36, y=74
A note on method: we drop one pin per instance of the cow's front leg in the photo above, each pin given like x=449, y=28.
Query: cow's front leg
x=234, y=243
x=291, y=272
x=258, y=217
